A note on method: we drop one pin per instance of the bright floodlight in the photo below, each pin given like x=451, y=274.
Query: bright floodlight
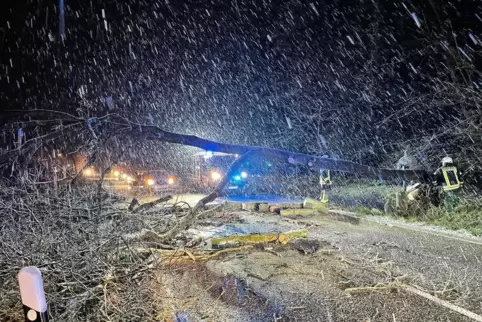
x=215, y=175
x=244, y=174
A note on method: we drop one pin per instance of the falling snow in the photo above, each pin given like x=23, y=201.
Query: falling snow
x=282, y=73
x=415, y=18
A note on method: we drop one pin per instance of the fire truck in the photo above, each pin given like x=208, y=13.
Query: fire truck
x=254, y=176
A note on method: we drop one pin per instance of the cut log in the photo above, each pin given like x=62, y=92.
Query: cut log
x=250, y=206
x=274, y=209
x=298, y=212
x=264, y=207
x=233, y=206
x=283, y=238
x=315, y=204
x=220, y=242
x=291, y=205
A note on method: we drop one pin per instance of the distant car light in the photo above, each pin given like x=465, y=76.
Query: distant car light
x=88, y=172
x=129, y=179
x=215, y=175
x=116, y=173
x=171, y=180
x=237, y=178
x=124, y=176
x=244, y=175
x=150, y=182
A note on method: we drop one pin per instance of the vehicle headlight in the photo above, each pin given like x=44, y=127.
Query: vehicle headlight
x=150, y=182
x=215, y=175
x=170, y=180
x=244, y=175
x=88, y=172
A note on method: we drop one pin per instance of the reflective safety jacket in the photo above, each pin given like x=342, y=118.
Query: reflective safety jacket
x=449, y=178
x=325, y=177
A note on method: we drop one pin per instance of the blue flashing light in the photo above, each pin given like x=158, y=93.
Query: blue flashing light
x=237, y=178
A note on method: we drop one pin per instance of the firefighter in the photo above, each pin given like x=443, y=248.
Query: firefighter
x=448, y=178
x=325, y=183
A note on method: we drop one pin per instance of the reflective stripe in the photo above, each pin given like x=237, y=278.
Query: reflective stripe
x=451, y=178
x=323, y=179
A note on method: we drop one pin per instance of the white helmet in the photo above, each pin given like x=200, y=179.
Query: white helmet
x=447, y=160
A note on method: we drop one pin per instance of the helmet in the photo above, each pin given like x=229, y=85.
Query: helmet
x=447, y=160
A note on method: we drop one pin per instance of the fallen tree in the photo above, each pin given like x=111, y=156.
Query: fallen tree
x=104, y=128
x=100, y=130
x=151, y=132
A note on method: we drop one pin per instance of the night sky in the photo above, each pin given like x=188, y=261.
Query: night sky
x=362, y=80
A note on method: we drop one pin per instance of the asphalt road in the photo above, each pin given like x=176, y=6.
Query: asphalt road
x=437, y=263
x=445, y=266
x=441, y=263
